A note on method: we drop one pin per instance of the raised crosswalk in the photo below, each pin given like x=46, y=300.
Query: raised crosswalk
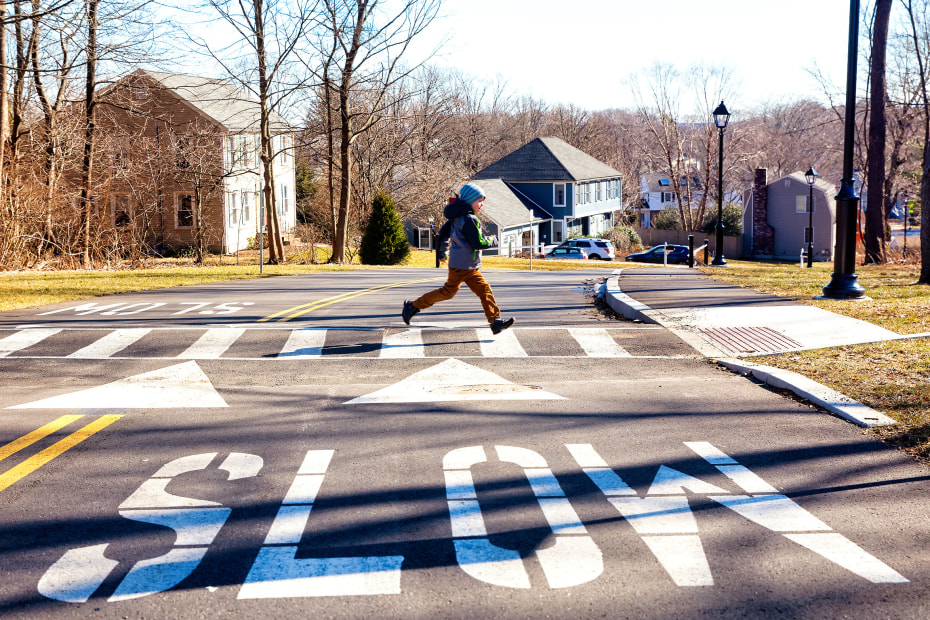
x=313, y=343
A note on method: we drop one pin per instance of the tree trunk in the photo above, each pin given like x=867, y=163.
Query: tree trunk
x=345, y=181
x=51, y=132
x=331, y=159
x=4, y=99
x=87, y=166
x=925, y=167
x=275, y=243
x=875, y=203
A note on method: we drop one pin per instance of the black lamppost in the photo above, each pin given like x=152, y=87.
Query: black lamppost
x=721, y=118
x=811, y=176
x=844, y=284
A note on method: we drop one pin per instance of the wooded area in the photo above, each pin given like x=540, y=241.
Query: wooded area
x=368, y=120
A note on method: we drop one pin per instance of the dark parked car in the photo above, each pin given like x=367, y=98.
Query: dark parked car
x=677, y=254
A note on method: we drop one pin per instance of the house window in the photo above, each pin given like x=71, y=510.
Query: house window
x=243, y=151
x=246, y=211
x=233, y=211
x=121, y=213
x=140, y=92
x=424, y=239
x=231, y=145
x=282, y=204
x=558, y=195
x=578, y=194
x=800, y=204
x=181, y=145
x=602, y=186
x=121, y=153
x=184, y=214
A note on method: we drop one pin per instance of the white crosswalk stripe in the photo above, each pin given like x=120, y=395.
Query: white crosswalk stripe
x=597, y=342
x=212, y=344
x=505, y=344
x=111, y=344
x=304, y=343
x=403, y=345
x=23, y=339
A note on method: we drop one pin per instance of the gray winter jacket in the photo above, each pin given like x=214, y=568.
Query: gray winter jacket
x=461, y=234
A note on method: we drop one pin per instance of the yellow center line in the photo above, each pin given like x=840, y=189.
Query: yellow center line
x=35, y=462
x=40, y=433
x=297, y=311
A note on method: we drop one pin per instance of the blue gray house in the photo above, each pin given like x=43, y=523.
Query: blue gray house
x=540, y=195
x=562, y=190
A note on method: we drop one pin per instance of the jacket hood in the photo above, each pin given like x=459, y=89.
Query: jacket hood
x=457, y=209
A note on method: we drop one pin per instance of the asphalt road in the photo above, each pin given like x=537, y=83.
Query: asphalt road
x=307, y=454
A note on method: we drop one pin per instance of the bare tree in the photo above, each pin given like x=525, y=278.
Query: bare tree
x=265, y=62
x=921, y=38
x=874, y=237
x=667, y=142
x=367, y=48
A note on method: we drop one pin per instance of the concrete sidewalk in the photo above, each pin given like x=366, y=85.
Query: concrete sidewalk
x=728, y=322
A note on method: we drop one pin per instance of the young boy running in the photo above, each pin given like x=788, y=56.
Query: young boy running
x=462, y=234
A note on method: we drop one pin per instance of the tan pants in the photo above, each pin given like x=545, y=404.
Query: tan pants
x=475, y=281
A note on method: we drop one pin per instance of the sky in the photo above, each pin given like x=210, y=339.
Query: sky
x=581, y=51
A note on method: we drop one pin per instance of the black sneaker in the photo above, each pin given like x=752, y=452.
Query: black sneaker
x=408, y=311
x=498, y=325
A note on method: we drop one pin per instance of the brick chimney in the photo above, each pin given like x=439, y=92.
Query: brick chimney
x=763, y=235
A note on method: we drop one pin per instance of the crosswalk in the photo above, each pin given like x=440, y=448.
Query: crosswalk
x=247, y=343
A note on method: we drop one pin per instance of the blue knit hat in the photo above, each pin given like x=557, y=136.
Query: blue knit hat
x=471, y=193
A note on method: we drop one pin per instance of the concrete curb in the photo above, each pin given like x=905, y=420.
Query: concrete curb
x=629, y=308
x=622, y=304
x=820, y=395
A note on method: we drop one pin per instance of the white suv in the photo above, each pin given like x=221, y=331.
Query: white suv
x=600, y=249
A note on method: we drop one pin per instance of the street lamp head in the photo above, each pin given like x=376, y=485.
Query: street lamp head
x=811, y=175
x=721, y=116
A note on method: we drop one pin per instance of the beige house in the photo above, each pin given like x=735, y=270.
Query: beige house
x=180, y=158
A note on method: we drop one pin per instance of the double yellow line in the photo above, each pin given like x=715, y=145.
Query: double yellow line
x=35, y=462
x=296, y=311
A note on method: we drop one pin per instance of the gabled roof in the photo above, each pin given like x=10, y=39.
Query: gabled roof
x=547, y=160
x=503, y=206
x=658, y=182
x=220, y=100
x=819, y=183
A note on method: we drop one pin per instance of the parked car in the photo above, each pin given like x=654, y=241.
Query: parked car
x=677, y=254
x=600, y=249
x=566, y=253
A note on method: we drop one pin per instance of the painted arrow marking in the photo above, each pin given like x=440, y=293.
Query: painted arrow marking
x=453, y=380
x=183, y=386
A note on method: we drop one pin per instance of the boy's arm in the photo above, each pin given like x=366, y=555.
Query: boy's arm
x=473, y=235
x=442, y=240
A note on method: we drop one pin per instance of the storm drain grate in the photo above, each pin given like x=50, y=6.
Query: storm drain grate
x=752, y=340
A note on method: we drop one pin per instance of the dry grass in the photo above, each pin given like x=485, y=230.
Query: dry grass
x=892, y=377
